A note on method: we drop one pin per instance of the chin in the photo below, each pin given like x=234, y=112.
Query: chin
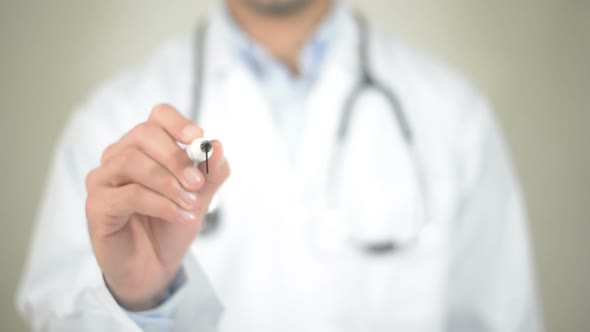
x=277, y=7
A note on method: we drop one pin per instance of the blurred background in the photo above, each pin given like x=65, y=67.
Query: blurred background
x=530, y=57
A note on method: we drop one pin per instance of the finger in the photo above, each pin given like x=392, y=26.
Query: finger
x=219, y=171
x=122, y=202
x=175, y=124
x=159, y=146
x=134, y=166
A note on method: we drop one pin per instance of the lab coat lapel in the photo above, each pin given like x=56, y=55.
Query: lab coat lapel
x=230, y=82
x=324, y=109
x=259, y=191
x=233, y=100
x=254, y=129
x=237, y=113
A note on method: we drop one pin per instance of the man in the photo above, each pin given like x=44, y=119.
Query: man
x=275, y=78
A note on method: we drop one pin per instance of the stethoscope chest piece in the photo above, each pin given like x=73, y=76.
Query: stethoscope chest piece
x=212, y=221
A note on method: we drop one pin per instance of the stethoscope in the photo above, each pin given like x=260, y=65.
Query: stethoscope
x=367, y=82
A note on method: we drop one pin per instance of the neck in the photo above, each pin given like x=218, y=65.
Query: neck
x=282, y=35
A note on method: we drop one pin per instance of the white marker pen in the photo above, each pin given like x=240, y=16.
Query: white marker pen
x=199, y=150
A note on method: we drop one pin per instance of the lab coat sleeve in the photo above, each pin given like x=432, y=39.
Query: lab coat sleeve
x=62, y=288
x=492, y=286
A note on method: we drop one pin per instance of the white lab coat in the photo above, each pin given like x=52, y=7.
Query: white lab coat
x=278, y=262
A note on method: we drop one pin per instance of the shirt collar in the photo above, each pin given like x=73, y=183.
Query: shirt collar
x=260, y=62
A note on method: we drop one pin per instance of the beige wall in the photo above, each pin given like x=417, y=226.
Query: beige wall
x=532, y=60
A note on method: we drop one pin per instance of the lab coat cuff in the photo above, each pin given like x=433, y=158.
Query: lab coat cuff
x=193, y=306
x=199, y=308
x=161, y=318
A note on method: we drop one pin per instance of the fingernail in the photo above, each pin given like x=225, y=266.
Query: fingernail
x=192, y=175
x=190, y=132
x=188, y=198
x=187, y=216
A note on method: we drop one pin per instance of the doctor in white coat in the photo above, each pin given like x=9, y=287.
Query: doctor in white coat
x=408, y=219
